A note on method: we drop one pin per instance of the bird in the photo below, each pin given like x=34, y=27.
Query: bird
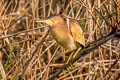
x=68, y=34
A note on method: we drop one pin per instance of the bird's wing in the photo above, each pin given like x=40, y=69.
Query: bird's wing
x=77, y=32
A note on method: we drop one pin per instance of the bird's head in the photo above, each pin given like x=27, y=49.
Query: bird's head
x=52, y=20
x=48, y=21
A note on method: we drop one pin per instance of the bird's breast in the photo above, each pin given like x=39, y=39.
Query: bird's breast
x=64, y=38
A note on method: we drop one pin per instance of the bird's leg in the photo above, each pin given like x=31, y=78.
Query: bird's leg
x=72, y=55
x=63, y=53
x=69, y=58
x=77, y=51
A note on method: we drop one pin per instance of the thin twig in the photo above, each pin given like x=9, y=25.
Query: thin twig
x=14, y=34
x=2, y=71
x=111, y=67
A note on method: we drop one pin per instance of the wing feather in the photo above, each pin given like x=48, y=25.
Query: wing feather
x=77, y=32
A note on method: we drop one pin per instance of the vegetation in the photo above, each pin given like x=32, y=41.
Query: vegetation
x=27, y=50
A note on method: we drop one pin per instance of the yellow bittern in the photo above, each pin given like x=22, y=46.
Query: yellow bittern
x=69, y=35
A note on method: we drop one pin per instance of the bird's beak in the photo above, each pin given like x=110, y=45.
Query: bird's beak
x=47, y=21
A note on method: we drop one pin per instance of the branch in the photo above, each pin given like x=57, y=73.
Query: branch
x=14, y=34
x=66, y=3
x=82, y=54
